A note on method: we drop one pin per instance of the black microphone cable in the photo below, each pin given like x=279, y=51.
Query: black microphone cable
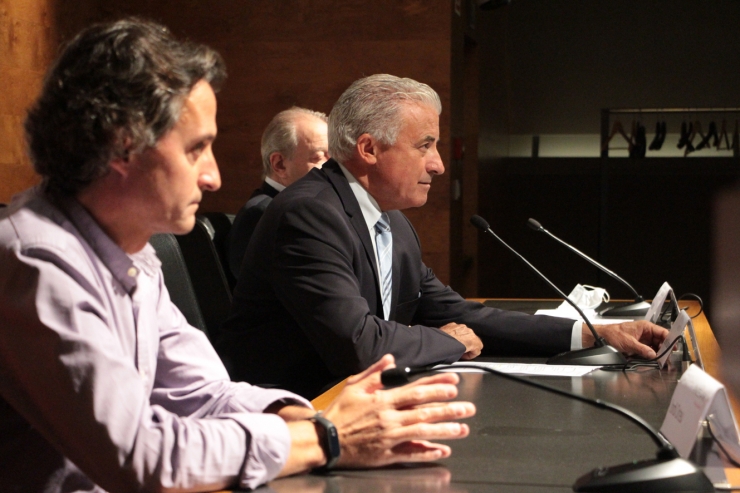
x=697, y=298
x=652, y=363
x=400, y=376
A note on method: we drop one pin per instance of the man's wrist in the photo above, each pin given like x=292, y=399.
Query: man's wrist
x=587, y=338
x=295, y=412
x=328, y=439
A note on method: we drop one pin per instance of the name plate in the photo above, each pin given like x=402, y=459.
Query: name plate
x=696, y=397
x=653, y=313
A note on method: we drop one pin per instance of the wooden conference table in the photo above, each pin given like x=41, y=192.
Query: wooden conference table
x=525, y=439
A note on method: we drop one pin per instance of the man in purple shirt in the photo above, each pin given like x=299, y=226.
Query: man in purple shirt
x=103, y=385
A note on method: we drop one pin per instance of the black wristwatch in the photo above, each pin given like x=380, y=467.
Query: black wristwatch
x=331, y=441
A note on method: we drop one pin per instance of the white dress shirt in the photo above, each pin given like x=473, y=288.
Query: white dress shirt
x=371, y=212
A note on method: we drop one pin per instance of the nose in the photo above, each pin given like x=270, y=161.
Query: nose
x=435, y=166
x=209, y=178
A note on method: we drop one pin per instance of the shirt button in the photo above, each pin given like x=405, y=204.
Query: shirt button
x=132, y=271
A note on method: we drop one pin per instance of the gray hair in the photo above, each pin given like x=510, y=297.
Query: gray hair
x=370, y=105
x=281, y=134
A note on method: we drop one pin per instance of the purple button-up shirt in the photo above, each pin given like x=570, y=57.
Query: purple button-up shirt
x=103, y=384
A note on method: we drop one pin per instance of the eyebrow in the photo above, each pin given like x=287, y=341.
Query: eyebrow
x=426, y=139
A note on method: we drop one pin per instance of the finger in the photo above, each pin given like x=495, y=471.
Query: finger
x=653, y=339
x=383, y=363
x=471, y=354
x=436, y=412
x=430, y=431
x=634, y=347
x=650, y=334
x=419, y=451
x=413, y=395
x=442, y=377
x=659, y=334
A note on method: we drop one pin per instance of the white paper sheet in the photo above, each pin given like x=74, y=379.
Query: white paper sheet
x=567, y=311
x=528, y=369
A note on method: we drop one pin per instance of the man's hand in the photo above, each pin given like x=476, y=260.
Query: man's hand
x=640, y=338
x=466, y=337
x=379, y=427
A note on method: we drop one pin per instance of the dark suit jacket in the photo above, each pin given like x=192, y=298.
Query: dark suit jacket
x=245, y=222
x=307, y=309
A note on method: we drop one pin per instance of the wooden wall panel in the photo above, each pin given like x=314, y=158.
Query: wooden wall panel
x=30, y=34
x=27, y=43
x=278, y=53
x=306, y=52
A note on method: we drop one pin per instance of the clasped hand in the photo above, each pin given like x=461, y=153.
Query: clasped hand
x=466, y=337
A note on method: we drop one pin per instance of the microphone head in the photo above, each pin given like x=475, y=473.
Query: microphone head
x=395, y=377
x=534, y=224
x=479, y=222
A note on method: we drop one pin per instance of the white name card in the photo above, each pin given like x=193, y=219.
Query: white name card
x=655, y=307
x=697, y=396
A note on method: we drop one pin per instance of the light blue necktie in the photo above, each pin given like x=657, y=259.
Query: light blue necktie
x=384, y=244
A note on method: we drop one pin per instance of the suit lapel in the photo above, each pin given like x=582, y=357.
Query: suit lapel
x=352, y=209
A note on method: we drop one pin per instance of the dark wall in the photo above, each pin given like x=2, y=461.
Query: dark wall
x=647, y=220
x=549, y=66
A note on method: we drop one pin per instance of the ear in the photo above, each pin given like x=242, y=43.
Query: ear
x=277, y=163
x=367, y=148
x=122, y=164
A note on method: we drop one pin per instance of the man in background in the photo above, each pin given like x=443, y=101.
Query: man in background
x=334, y=277
x=293, y=143
x=104, y=384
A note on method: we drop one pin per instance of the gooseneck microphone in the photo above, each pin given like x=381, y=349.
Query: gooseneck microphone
x=668, y=472
x=637, y=309
x=600, y=354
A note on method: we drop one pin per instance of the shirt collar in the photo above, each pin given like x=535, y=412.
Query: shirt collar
x=368, y=205
x=120, y=265
x=277, y=186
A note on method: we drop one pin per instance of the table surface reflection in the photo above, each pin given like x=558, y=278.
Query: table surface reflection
x=523, y=438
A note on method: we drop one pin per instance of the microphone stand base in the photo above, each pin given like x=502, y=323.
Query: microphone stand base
x=629, y=310
x=649, y=476
x=592, y=356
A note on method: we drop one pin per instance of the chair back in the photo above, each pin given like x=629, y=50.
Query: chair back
x=177, y=279
x=209, y=279
x=222, y=223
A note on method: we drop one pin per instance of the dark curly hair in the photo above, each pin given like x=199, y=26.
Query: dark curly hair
x=116, y=87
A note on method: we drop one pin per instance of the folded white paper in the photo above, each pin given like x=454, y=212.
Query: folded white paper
x=567, y=311
x=697, y=396
x=528, y=369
